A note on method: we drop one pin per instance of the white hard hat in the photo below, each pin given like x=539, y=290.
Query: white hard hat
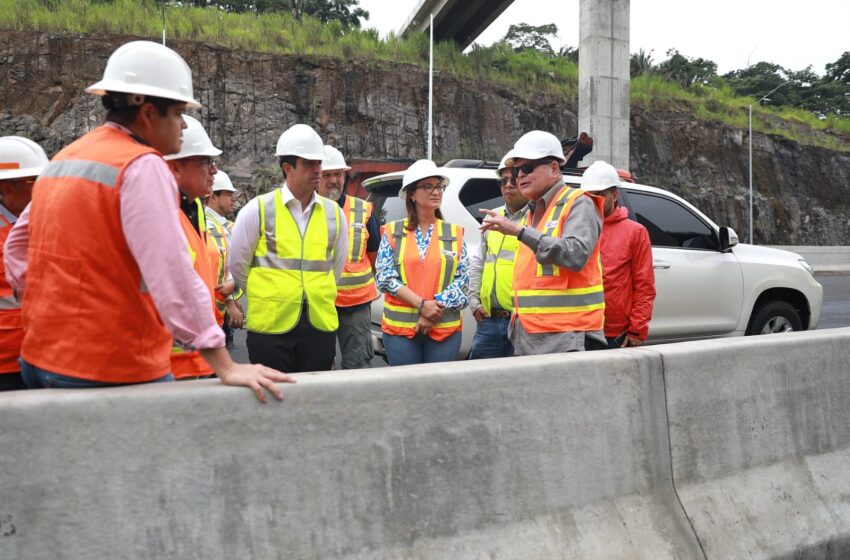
x=333, y=160
x=222, y=182
x=20, y=157
x=538, y=144
x=600, y=176
x=196, y=141
x=421, y=169
x=147, y=68
x=302, y=141
x=505, y=162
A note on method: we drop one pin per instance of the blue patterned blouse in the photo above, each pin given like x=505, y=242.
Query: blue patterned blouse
x=387, y=276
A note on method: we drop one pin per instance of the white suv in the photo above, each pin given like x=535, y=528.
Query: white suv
x=708, y=285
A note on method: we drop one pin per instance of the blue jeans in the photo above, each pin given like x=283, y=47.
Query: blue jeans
x=37, y=378
x=420, y=349
x=491, y=339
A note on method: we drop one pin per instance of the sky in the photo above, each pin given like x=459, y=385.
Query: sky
x=732, y=33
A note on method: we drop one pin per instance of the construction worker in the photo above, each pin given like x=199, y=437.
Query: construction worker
x=288, y=252
x=219, y=205
x=558, y=297
x=356, y=287
x=491, y=277
x=21, y=160
x=422, y=269
x=627, y=271
x=193, y=168
x=99, y=254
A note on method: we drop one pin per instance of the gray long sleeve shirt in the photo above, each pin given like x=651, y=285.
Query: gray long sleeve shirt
x=572, y=250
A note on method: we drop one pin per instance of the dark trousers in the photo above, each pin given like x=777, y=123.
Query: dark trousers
x=304, y=348
x=12, y=382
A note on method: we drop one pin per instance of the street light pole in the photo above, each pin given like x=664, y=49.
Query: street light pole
x=750, y=138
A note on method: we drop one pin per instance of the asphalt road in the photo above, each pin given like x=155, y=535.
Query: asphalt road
x=836, y=313
x=836, y=301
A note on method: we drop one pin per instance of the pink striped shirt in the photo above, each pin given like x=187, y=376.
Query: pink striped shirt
x=150, y=224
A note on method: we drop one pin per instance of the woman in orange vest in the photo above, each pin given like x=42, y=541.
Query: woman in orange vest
x=422, y=270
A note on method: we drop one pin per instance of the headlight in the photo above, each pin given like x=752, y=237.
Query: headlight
x=805, y=264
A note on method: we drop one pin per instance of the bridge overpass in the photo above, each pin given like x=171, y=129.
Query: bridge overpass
x=460, y=21
x=603, y=65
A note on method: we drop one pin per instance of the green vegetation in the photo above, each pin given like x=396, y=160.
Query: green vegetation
x=677, y=81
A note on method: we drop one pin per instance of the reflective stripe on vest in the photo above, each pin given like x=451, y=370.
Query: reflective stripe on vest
x=548, y=298
x=431, y=276
x=290, y=267
x=79, y=259
x=357, y=283
x=497, y=273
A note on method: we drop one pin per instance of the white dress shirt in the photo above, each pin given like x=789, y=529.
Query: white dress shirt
x=247, y=231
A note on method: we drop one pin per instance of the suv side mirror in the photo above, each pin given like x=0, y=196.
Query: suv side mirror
x=728, y=238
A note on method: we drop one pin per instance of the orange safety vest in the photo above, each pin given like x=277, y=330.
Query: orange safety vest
x=11, y=333
x=357, y=283
x=426, y=277
x=86, y=311
x=548, y=298
x=205, y=257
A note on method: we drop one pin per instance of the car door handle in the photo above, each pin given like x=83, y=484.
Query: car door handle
x=663, y=265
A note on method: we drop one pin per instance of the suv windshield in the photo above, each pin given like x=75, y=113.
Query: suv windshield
x=388, y=207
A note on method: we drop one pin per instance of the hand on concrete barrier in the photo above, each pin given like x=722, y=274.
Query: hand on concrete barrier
x=258, y=378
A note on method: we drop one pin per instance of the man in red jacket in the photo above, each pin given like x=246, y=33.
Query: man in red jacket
x=626, y=263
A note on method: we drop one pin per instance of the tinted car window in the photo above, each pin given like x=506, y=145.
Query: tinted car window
x=481, y=193
x=387, y=206
x=670, y=224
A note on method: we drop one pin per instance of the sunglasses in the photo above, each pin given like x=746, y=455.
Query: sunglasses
x=503, y=181
x=528, y=167
x=430, y=189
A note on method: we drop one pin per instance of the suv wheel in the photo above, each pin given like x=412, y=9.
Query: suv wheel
x=775, y=317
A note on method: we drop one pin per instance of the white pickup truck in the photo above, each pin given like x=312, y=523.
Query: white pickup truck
x=708, y=285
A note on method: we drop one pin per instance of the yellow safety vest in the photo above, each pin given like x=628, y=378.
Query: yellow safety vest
x=289, y=268
x=498, y=273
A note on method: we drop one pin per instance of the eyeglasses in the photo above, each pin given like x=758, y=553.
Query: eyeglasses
x=203, y=161
x=432, y=188
x=529, y=167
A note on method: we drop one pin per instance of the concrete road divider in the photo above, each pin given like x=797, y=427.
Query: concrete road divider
x=560, y=456
x=760, y=439
x=828, y=259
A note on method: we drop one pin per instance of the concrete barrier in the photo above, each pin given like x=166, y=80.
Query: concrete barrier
x=760, y=439
x=825, y=260
x=561, y=456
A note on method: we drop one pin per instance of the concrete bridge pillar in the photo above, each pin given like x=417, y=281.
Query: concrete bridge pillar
x=603, y=97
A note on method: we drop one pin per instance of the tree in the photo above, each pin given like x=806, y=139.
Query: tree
x=568, y=52
x=346, y=11
x=687, y=71
x=640, y=63
x=839, y=71
x=758, y=80
x=522, y=36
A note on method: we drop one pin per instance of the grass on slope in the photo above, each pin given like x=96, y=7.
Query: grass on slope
x=282, y=33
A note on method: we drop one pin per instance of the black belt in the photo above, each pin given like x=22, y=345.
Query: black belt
x=500, y=313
